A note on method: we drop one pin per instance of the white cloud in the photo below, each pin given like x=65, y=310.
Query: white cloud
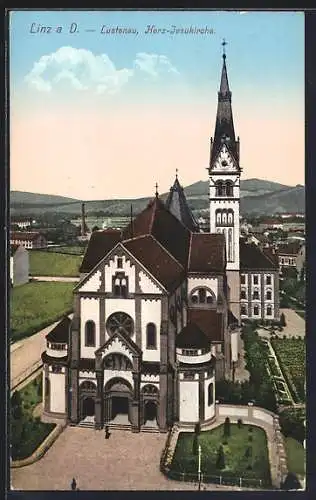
x=154, y=64
x=80, y=69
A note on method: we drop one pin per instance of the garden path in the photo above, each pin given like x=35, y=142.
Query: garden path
x=27, y=353
x=295, y=325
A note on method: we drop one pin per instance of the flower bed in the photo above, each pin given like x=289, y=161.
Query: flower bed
x=291, y=357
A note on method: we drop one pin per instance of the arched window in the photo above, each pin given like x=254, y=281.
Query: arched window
x=120, y=285
x=151, y=336
x=120, y=321
x=243, y=294
x=87, y=386
x=256, y=295
x=90, y=334
x=218, y=217
x=269, y=295
x=219, y=188
x=202, y=295
x=269, y=311
x=230, y=244
x=229, y=188
x=230, y=217
x=210, y=394
x=243, y=310
x=256, y=311
x=224, y=217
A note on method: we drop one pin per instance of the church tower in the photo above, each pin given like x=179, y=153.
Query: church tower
x=224, y=177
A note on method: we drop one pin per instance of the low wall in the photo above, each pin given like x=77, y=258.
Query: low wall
x=41, y=450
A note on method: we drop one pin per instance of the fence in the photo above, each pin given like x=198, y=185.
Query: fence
x=241, y=482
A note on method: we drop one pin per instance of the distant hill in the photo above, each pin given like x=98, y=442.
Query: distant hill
x=257, y=197
x=17, y=197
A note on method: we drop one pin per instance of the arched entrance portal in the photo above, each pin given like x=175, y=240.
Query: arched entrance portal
x=88, y=407
x=118, y=395
x=150, y=416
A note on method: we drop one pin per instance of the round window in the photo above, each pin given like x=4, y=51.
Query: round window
x=120, y=321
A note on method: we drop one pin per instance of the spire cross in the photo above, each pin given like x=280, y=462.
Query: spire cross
x=224, y=43
x=156, y=186
x=177, y=173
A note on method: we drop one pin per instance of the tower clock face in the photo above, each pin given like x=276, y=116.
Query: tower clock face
x=224, y=160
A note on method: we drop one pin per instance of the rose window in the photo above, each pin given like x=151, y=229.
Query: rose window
x=120, y=321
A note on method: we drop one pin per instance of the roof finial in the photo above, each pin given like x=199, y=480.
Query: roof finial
x=156, y=193
x=224, y=43
x=177, y=173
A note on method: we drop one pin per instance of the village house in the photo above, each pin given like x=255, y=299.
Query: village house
x=28, y=239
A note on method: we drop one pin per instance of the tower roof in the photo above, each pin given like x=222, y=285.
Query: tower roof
x=224, y=127
x=177, y=204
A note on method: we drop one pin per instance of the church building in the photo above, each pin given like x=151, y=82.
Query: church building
x=156, y=317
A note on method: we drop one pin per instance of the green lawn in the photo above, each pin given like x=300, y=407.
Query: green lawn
x=54, y=264
x=27, y=432
x=70, y=249
x=35, y=305
x=237, y=463
x=295, y=456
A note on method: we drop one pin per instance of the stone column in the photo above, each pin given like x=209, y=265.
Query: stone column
x=74, y=389
x=163, y=378
x=135, y=403
x=99, y=404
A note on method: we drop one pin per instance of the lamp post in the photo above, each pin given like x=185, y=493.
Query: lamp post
x=199, y=468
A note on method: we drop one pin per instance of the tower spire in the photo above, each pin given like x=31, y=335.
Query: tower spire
x=156, y=193
x=224, y=127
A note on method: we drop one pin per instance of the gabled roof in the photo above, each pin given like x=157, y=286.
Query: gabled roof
x=192, y=337
x=153, y=256
x=164, y=227
x=100, y=243
x=25, y=235
x=177, y=204
x=127, y=341
x=207, y=253
x=254, y=259
x=209, y=321
x=61, y=331
x=289, y=249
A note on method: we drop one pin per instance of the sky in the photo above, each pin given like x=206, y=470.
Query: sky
x=104, y=104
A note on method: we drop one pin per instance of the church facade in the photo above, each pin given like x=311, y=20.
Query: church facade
x=157, y=309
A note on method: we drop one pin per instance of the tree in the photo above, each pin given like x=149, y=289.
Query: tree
x=195, y=449
x=220, y=461
x=282, y=320
x=95, y=228
x=16, y=405
x=291, y=482
x=227, y=427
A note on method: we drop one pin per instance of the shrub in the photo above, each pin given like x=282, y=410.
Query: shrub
x=250, y=438
x=227, y=427
x=291, y=482
x=239, y=423
x=282, y=320
x=248, y=452
x=220, y=461
x=195, y=448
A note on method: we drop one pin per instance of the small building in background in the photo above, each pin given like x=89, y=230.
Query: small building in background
x=19, y=265
x=28, y=239
x=301, y=263
x=287, y=254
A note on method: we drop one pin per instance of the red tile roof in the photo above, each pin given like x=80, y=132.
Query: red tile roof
x=162, y=265
x=165, y=227
x=25, y=235
x=207, y=253
x=289, y=249
x=100, y=243
x=209, y=321
x=254, y=259
x=61, y=331
x=192, y=337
